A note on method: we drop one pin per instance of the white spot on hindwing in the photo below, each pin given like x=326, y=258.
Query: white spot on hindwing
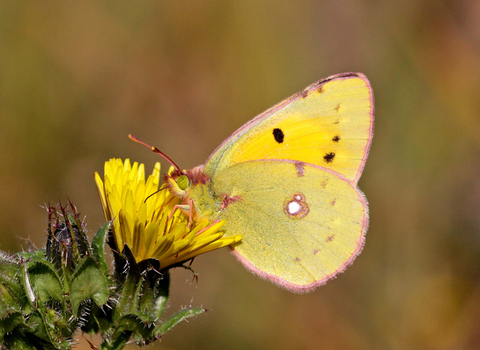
x=296, y=206
x=293, y=208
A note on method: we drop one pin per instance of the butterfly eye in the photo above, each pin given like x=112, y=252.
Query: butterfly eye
x=182, y=182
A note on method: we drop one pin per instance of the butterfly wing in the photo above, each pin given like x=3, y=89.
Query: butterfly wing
x=301, y=224
x=330, y=124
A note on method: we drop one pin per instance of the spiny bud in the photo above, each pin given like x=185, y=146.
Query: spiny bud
x=66, y=240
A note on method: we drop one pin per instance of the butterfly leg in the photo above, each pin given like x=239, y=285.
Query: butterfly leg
x=190, y=213
x=185, y=208
x=182, y=207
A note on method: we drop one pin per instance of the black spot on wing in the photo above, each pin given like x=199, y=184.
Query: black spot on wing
x=336, y=138
x=278, y=135
x=329, y=157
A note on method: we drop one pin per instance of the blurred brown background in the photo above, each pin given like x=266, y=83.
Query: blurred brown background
x=77, y=76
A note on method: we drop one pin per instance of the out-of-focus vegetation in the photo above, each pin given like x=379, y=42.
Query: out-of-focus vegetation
x=77, y=76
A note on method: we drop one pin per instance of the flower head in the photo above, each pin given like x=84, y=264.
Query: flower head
x=146, y=220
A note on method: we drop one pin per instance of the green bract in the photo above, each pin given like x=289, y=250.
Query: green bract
x=47, y=296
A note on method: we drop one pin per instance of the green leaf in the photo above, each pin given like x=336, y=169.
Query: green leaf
x=39, y=253
x=97, y=320
x=118, y=343
x=19, y=335
x=38, y=325
x=136, y=327
x=98, y=246
x=88, y=282
x=17, y=340
x=9, y=323
x=176, y=319
x=124, y=328
x=161, y=292
x=41, y=276
x=12, y=293
x=128, y=294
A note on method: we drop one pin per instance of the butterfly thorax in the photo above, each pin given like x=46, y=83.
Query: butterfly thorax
x=196, y=175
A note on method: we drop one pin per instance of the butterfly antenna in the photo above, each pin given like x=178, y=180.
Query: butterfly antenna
x=156, y=150
x=154, y=193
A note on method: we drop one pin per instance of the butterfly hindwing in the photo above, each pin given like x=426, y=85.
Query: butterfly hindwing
x=301, y=224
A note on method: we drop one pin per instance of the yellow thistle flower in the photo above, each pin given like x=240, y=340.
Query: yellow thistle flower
x=143, y=220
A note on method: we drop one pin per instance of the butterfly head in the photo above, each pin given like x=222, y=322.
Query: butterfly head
x=177, y=183
x=180, y=182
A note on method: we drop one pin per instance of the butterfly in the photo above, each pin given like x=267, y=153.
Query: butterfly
x=287, y=182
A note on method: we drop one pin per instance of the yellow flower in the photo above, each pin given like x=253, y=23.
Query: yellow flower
x=145, y=218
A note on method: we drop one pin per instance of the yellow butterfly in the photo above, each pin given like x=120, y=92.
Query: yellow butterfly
x=287, y=181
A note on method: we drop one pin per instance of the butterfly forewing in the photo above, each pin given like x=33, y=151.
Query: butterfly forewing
x=329, y=124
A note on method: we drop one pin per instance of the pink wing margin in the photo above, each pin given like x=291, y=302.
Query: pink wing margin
x=240, y=131
x=372, y=124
